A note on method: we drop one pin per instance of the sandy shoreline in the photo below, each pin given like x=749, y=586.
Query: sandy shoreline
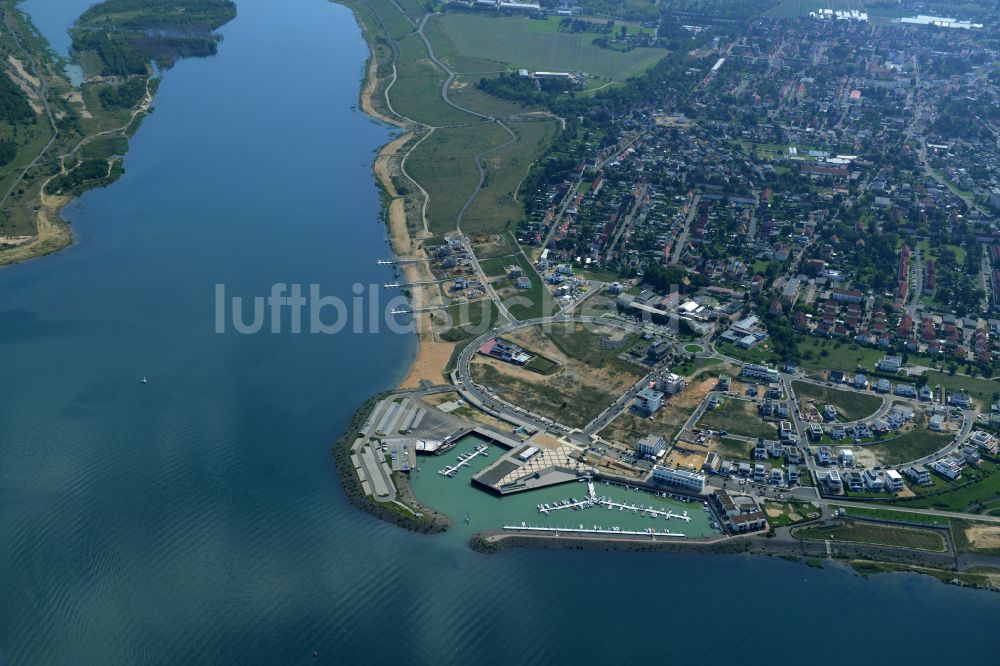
x=52, y=233
x=432, y=356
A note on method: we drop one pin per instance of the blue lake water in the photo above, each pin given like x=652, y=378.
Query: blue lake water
x=53, y=18
x=197, y=519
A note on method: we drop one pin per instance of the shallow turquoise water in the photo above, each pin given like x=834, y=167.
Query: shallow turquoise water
x=456, y=497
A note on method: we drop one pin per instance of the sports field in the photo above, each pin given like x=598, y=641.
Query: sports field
x=522, y=42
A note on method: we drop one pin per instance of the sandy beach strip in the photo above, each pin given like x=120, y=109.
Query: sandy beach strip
x=432, y=356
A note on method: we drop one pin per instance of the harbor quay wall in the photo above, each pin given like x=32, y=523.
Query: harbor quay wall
x=496, y=542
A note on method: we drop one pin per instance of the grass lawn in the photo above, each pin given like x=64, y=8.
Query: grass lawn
x=791, y=513
x=852, y=405
x=542, y=365
x=880, y=535
x=416, y=93
x=883, y=514
x=739, y=418
x=495, y=208
x=733, y=448
x=964, y=498
x=689, y=368
x=693, y=349
x=911, y=445
x=979, y=388
x=528, y=303
x=519, y=42
x=464, y=321
x=444, y=163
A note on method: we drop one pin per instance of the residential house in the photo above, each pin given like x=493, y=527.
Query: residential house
x=873, y=481
x=919, y=475
x=893, y=481
x=651, y=446
x=649, y=401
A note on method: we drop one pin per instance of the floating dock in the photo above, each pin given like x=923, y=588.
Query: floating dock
x=463, y=460
x=596, y=529
x=611, y=505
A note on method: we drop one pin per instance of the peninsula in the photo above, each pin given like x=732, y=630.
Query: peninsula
x=682, y=285
x=60, y=138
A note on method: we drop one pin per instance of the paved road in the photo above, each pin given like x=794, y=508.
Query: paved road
x=619, y=406
x=682, y=239
x=918, y=282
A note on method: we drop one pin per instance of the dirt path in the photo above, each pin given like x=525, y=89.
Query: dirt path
x=368, y=92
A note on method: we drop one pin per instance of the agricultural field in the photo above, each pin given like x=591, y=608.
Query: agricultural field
x=852, y=405
x=534, y=45
x=878, y=535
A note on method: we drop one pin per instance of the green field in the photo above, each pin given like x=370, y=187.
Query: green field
x=852, y=405
x=912, y=445
x=542, y=365
x=464, y=321
x=416, y=94
x=463, y=91
x=584, y=345
x=444, y=164
x=815, y=355
x=690, y=368
x=792, y=513
x=521, y=42
x=737, y=417
x=980, y=389
x=526, y=303
x=967, y=497
x=883, y=514
x=495, y=208
x=879, y=535
x=734, y=448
